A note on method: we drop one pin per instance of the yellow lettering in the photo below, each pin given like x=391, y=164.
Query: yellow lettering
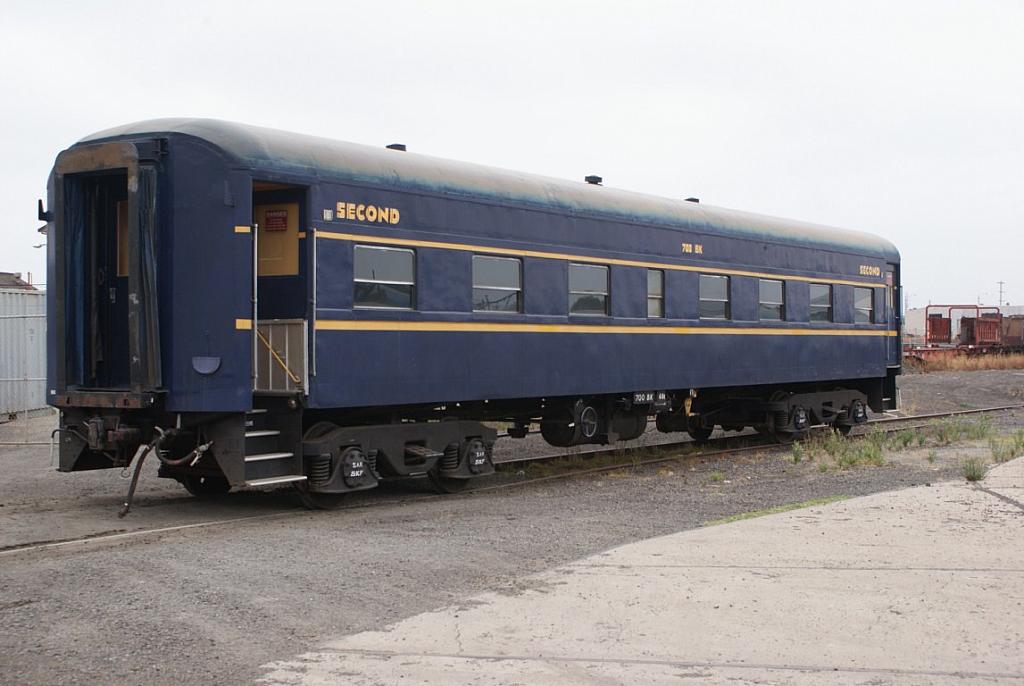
x=698, y=249
x=367, y=213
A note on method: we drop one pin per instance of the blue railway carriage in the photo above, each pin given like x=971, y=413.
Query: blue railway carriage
x=256, y=307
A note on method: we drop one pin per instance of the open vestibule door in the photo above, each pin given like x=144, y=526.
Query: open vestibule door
x=105, y=259
x=894, y=311
x=280, y=303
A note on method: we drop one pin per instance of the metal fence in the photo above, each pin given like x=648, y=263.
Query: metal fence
x=22, y=350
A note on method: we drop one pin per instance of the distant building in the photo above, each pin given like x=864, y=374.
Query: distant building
x=14, y=280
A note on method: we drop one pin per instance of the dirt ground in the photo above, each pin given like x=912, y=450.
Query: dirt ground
x=230, y=584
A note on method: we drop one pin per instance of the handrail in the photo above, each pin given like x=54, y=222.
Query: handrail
x=284, y=365
x=255, y=304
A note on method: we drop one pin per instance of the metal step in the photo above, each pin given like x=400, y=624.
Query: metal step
x=267, y=456
x=275, y=480
x=258, y=433
x=256, y=419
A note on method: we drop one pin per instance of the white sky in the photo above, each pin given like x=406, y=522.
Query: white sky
x=904, y=119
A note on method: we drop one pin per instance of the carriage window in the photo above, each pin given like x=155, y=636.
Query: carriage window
x=714, y=297
x=863, y=306
x=655, y=293
x=820, y=309
x=771, y=300
x=588, y=289
x=384, y=277
x=497, y=284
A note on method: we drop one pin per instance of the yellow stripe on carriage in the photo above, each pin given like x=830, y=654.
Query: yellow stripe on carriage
x=408, y=242
x=514, y=327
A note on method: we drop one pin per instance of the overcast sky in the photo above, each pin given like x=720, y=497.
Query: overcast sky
x=905, y=119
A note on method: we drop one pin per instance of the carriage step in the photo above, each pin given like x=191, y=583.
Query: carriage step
x=258, y=433
x=276, y=480
x=267, y=456
x=256, y=419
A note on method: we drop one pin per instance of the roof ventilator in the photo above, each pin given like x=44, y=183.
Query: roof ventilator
x=593, y=180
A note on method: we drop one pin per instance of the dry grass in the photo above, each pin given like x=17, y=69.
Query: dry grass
x=863, y=450
x=870, y=449
x=1006, y=448
x=776, y=510
x=970, y=363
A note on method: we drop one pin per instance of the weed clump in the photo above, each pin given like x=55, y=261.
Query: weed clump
x=1005, y=448
x=905, y=438
x=973, y=469
x=958, y=429
x=866, y=450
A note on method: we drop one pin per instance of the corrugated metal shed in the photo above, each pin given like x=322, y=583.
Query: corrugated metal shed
x=22, y=350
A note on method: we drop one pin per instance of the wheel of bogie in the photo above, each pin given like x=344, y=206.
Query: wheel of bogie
x=318, y=501
x=446, y=484
x=842, y=429
x=557, y=433
x=787, y=437
x=319, y=430
x=205, y=486
x=700, y=434
x=310, y=499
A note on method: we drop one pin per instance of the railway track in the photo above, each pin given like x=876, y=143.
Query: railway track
x=88, y=541
x=761, y=442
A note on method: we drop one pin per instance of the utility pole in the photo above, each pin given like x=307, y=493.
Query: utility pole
x=1001, y=284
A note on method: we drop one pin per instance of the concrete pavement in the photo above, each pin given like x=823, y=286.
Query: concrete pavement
x=919, y=586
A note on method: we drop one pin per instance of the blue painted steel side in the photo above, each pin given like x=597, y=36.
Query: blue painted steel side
x=381, y=368
x=386, y=368
x=205, y=279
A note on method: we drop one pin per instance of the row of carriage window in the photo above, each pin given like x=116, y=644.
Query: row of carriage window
x=386, y=278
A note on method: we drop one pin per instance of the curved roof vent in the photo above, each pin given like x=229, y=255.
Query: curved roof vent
x=693, y=200
x=594, y=180
x=396, y=146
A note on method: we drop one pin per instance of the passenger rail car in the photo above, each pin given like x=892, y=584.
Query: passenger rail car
x=257, y=307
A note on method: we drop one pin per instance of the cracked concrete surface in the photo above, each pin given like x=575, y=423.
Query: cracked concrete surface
x=919, y=586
